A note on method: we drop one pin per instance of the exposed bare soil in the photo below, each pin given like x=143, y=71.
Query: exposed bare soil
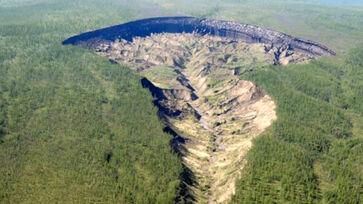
x=196, y=82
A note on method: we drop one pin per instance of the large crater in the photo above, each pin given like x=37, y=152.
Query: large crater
x=192, y=67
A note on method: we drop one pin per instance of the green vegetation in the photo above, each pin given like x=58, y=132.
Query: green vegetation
x=75, y=128
x=165, y=75
x=311, y=154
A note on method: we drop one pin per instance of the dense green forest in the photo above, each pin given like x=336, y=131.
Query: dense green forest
x=313, y=152
x=75, y=128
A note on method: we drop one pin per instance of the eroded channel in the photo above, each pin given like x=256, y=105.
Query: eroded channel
x=195, y=80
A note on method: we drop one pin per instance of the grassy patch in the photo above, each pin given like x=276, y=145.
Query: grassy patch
x=163, y=77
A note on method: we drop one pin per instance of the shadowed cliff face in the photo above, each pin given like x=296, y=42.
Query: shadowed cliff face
x=231, y=30
x=192, y=67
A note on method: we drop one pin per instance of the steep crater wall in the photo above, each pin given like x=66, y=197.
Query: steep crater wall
x=231, y=30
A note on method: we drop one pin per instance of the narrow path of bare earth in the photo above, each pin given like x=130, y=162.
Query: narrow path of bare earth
x=196, y=83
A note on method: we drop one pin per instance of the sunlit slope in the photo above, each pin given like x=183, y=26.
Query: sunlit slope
x=195, y=81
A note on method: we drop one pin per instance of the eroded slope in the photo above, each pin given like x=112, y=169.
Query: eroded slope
x=195, y=81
